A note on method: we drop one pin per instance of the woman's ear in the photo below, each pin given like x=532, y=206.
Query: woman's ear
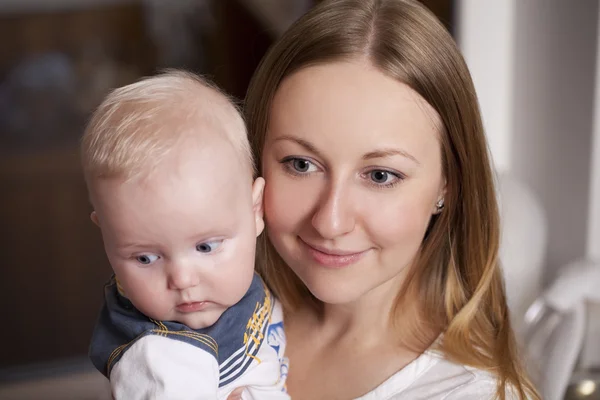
x=440, y=199
x=258, y=189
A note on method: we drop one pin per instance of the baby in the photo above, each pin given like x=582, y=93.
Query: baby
x=170, y=175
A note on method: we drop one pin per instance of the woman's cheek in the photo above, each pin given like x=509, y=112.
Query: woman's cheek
x=399, y=220
x=280, y=204
x=290, y=201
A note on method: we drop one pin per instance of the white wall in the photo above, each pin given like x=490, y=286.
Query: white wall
x=485, y=33
x=533, y=64
x=553, y=100
x=593, y=242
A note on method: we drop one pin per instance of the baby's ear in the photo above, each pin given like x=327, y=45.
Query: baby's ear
x=258, y=189
x=94, y=218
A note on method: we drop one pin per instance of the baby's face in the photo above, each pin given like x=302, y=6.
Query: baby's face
x=182, y=240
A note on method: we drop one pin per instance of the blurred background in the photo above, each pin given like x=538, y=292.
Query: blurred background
x=535, y=68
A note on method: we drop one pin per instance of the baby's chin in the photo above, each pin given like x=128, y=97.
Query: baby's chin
x=200, y=320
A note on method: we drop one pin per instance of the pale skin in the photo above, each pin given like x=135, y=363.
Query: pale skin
x=183, y=233
x=181, y=239
x=353, y=169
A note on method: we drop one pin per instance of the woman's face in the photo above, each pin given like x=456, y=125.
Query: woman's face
x=353, y=172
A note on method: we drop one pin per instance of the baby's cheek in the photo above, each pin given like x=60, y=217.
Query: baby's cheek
x=235, y=280
x=154, y=305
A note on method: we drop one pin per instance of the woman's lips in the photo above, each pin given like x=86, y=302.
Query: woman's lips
x=333, y=258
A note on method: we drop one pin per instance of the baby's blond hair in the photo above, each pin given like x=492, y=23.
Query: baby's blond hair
x=137, y=125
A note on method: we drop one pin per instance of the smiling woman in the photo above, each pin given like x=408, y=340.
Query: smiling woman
x=342, y=171
x=380, y=209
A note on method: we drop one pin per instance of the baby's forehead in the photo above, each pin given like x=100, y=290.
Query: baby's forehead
x=192, y=176
x=211, y=150
x=217, y=121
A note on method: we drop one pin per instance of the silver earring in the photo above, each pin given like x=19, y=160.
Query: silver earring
x=440, y=205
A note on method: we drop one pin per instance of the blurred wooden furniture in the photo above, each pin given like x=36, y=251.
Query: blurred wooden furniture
x=118, y=27
x=53, y=263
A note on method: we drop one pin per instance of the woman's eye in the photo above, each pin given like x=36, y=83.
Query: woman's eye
x=383, y=178
x=208, y=247
x=380, y=176
x=146, y=259
x=300, y=165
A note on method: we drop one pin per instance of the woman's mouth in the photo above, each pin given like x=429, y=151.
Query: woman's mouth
x=332, y=257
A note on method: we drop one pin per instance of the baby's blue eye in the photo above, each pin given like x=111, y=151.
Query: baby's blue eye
x=146, y=259
x=208, y=247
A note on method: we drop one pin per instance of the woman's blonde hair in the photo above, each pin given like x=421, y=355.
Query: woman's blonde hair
x=456, y=278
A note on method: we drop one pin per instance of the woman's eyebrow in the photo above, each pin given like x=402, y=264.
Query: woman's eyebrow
x=307, y=145
x=381, y=153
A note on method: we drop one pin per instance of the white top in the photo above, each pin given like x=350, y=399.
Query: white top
x=432, y=377
x=158, y=367
x=167, y=360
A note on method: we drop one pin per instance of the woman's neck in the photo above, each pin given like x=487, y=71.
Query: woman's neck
x=367, y=317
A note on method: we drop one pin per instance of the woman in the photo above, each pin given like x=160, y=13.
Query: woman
x=380, y=209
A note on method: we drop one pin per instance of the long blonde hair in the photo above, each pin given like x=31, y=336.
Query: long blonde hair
x=456, y=278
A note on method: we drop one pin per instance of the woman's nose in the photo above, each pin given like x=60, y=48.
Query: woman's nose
x=334, y=215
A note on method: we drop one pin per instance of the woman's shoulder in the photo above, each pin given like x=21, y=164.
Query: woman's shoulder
x=432, y=377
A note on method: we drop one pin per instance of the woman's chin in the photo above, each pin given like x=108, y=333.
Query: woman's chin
x=335, y=293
